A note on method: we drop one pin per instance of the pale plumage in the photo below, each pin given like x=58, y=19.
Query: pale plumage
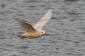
x=39, y=25
x=35, y=30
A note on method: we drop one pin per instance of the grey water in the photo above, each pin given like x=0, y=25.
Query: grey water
x=65, y=32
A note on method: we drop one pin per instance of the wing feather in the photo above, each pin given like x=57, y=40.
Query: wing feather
x=39, y=25
x=27, y=27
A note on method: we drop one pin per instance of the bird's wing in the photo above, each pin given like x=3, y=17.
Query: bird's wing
x=28, y=27
x=39, y=25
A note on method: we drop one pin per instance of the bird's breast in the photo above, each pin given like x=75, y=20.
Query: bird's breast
x=33, y=35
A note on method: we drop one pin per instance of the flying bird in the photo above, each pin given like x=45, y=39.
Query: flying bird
x=34, y=31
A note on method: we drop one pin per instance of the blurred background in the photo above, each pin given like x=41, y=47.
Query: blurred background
x=65, y=33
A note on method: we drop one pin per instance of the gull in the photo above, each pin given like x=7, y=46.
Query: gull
x=34, y=31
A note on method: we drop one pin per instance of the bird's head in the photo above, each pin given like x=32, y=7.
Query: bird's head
x=43, y=32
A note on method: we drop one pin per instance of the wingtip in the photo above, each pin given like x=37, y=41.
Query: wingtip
x=50, y=10
x=16, y=19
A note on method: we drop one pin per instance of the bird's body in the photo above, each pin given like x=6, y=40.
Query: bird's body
x=31, y=35
x=34, y=31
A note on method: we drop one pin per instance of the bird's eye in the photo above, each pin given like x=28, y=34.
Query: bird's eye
x=42, y=32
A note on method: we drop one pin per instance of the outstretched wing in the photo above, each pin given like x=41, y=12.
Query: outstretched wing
x=28, y=27
x=39, y=25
